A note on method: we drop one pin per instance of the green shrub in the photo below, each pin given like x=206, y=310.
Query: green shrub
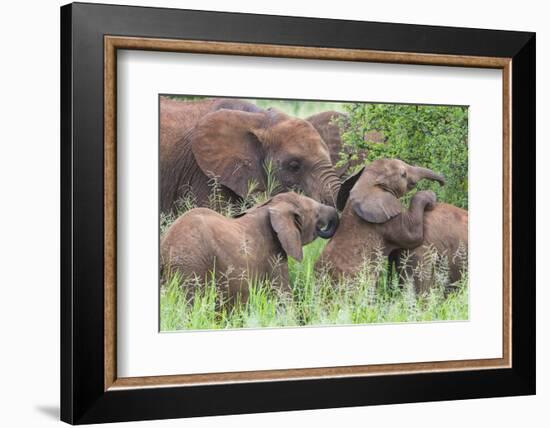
x=315, y=300
x=434, y=137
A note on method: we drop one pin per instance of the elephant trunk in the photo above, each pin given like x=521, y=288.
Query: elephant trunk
x=330, y=185
x=419, y=173
x=326, y=227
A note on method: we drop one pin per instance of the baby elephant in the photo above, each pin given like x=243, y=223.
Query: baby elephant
x=446, y=237
x=373, y=223
x=253, y=246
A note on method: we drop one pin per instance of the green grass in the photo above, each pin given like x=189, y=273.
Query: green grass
x=314, y=301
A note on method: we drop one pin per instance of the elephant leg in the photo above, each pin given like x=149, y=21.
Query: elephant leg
x=234, y=289
x=393, y=265
x=411, y=269
x=280, y=278
x=422, y=272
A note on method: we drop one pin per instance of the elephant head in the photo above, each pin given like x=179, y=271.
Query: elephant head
x=375, y=190
x=298, y=220
x=236, y=147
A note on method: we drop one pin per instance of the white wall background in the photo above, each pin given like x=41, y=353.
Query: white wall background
x=29, y=214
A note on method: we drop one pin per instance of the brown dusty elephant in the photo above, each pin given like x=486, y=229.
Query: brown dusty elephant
x=234, y=141
x=253, y=245
x=330, y=125
x=373, y=222
x=445, y=238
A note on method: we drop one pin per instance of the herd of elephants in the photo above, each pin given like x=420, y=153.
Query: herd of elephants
x=361, y=214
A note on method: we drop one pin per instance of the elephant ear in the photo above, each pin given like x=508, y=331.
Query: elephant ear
x=225, y=145
x=330, y=125
x=372, y=202
x=345, y=188
x=282, y=217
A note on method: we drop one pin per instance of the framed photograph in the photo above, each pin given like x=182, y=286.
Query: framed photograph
x=265, y=213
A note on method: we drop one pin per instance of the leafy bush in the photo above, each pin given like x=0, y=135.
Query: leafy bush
x=434, y=137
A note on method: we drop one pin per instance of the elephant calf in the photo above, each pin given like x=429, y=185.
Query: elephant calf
x=252, y=246
x=446, y=234
x=373, y=222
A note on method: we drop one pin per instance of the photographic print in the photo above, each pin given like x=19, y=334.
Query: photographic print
x=308, y=230
x=290, y=213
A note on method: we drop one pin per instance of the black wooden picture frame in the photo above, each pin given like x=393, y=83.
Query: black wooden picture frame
x=84, y=398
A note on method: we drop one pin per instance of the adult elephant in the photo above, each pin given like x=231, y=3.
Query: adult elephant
x=331, y=125
x=234, y=141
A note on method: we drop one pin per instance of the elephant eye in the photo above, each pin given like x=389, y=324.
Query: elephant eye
x=294, y=165
x=404, y=174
